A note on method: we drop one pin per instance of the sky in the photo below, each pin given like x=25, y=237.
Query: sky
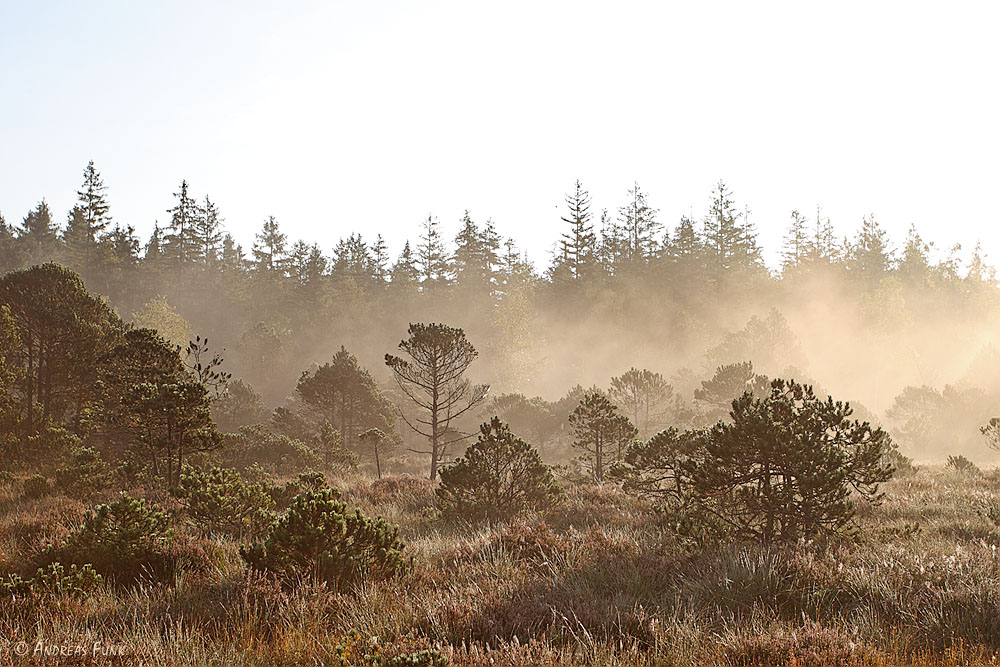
x=343, y=117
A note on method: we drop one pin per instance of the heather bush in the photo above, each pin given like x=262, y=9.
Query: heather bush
x=36, y=487
x=319, y=537
x=219, y=500
x=125, y=540
x=498, y=477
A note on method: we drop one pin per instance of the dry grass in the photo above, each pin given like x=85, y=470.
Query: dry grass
x=599, y=581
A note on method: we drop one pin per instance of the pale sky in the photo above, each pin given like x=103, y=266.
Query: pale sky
x=341, y=117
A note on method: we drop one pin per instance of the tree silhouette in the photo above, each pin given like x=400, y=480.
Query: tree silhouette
x=433, y=378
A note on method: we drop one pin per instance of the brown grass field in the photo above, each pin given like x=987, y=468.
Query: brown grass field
x=601, y=580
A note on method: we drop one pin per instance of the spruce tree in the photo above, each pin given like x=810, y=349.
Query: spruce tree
x=432, y=257
x=871, y=255
x=578, y=243
x=352, y=260
x=87, y=221
x=404, y=274
x=207, y=233
x=269, y=250
x=380, y=260
x=638, y=223
x=796, y=244
x=180, y=244
x=9, y=252
x=38, y=236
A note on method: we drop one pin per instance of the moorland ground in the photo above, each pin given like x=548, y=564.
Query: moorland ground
x=601, y=579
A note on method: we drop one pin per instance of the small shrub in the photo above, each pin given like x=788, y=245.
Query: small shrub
x=903, y=465
x=35, y=487
x=278, y=453
x=306, y=481
x=318, y=536
x=499, y=476
x=50, y=443
x=52, y=580
x=356, y=652
x=312, y=480
x=85, y=475
x=125, y=540
x=220, y=500
x=329, y=444
x=962, y=465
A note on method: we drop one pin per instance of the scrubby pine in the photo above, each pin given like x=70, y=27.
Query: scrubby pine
x=786, y=465
x=318, y=536
x=499, y=476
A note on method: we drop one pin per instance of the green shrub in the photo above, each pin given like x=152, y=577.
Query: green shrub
x=962, y=465
x=499, y=476
x=85, y=475
x=124, y=540
x=355, y=652
x=305, y=481
x=277, y=453
x=52, y=580
x=36, y=486
x=317, y=536
x=220, y=500
x=50, y=443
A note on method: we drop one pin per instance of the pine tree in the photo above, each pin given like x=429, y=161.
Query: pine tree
x=433, y=379
x=432, y=258
x=345, y=394
x=180, y=243
x=269, y=253
x=638, y=222
x=404, y=272
x=232, y=259
x=600, y=432
x=380, y=260
x=38, y=236
x=207, y=233
x=646, y=396
x=787, y=464
x=9, y=252
x=89, y=219
x=729, y=237
x=578, y=245
x=796, y=243
x=499, y=476
x=914, y=266
x=871, y=256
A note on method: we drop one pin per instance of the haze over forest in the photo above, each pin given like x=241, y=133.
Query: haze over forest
x=906, y=331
